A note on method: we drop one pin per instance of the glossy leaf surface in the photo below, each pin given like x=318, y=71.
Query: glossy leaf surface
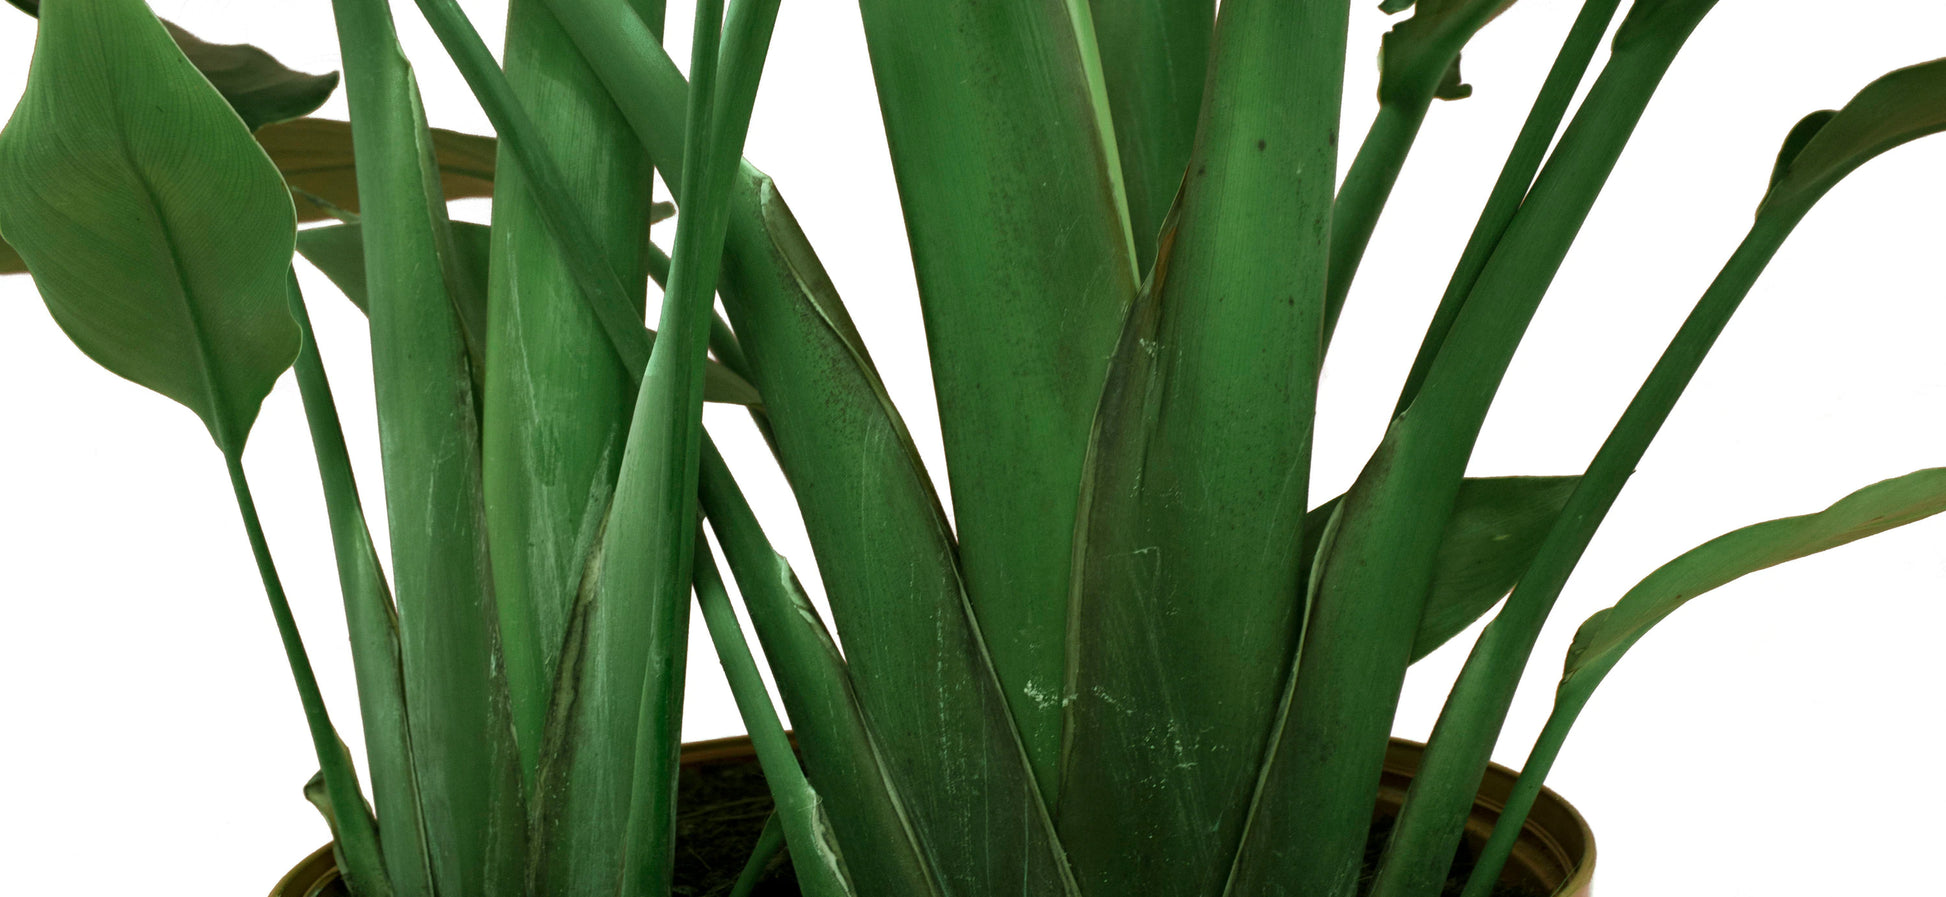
x=1011, y=194
x=153, y=224
x=466, y=760
x=1187, y=596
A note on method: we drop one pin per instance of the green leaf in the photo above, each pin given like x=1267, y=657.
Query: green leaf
x=1516, y=176
x=886, y=556
x=1025, y=267
x=373, y=623
x=260, y=89
x=556, y=413
x=1153, y=59
x=466, y=759
x=315, y=156
x=814, y=856
x=840, y=755
x=1898, y=108
x=1605, y=637
x=1434, y=813
x=159, y=240
x=1186, y=584
x=1801, y=134
x=338, y=250
x=1318, y=786
x=1495, y=531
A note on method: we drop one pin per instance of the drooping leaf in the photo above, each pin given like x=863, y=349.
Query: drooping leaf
x=1898, y=108
x=555, y=413
x=466, y=760
x=260, y=89
x=1010, y=190
x=338, y=250
x=1321, y=779
x=1186, y=584
x=315, y=156
x=1605, y=637
x=158, y=241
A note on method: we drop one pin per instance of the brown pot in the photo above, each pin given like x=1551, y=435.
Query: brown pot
x=1555, y=854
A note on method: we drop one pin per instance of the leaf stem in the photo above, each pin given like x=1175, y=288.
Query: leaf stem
x=357, y=835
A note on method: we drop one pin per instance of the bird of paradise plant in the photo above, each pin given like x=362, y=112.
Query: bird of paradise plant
x=1143, y=658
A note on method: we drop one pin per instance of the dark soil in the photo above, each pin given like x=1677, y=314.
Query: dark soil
x=1464, y=860
x=722, y=808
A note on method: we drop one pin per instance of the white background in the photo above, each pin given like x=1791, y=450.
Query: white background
x=1775, y=738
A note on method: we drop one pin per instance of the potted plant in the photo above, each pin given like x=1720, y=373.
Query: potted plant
x=1144, y=657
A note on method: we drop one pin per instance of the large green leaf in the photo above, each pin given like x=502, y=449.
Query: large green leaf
x=314, y=156
x=1322, y=775
x=1897, y=108
x=886, y=555
x=1186, y=581
x=466, y=760
x=556, y=405
x=1605, y=637
x=1024, y=261
x=260, y=89
x=160, y=240
x=156, y=230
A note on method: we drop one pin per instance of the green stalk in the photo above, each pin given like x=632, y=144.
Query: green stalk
x=579, y=247
x=356, y=836
x=1322, y=775
x=656, y=502
x=840, y=755
x=374, y=625
x=1516, y=176
x=1434, y=816
x=820, y=870
x=1520, y=801
x=1419, y=62
x=466, y=761
x=555, y=414
x=1361, y=199
x=770, y=843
